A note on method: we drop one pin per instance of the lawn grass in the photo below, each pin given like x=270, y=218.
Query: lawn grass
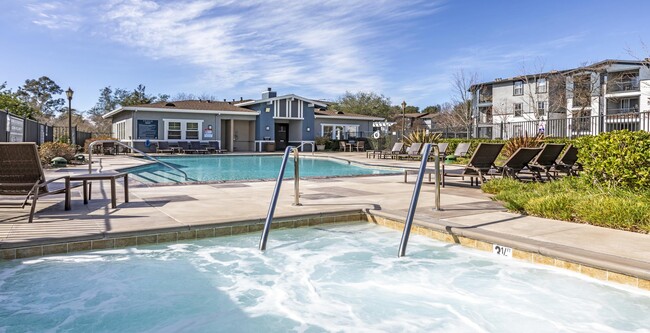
x=573, y=199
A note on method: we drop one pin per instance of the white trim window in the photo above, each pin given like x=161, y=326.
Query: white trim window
x=518, y=108
x=339, y=131
x=542, y=85
x=541, y=109
x=183, y=129
x=173, y=130
x=119, y=130
x=518, y=88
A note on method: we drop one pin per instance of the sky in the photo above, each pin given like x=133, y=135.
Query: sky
x=406, y=50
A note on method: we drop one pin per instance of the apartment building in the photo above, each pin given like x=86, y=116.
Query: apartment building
x=605, y=96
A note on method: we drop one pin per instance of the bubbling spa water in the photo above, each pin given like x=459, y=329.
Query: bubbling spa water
x=328, y=278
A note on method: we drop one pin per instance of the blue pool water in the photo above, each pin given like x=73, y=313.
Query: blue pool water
x=343, y=278
x=253, y=167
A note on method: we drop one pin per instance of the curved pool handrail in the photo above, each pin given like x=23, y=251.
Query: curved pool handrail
x=426, y=150
x=92, y=144
x=274, y=199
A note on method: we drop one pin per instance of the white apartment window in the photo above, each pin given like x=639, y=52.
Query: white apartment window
x=339, y=132
x=174, y=130
x=119, y=130
x=541, y=108
x=518, y=108
x=541, y=86
x=518, y=88
x=180, y=129
x=192, y=131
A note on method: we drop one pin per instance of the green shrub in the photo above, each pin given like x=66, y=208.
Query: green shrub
x=576, y=199
x=421, y=137
x=621, y=212
x=517, y=142
x=619, y=158
x=50, y=150
x=557, y=206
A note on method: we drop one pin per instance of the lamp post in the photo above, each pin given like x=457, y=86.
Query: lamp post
x=403, y=118
x=69, y=93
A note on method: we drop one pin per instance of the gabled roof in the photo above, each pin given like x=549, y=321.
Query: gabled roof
x=264, y=100
x=201, y=106
x=341, y=115
x=605, y=62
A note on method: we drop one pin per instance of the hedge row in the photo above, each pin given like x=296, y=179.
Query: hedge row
x=616, y=159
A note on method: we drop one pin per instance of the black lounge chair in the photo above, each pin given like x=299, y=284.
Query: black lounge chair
x=163, y=147
x=213, y=147
x=185, y=147
x=568, y=162
x=195, y=147
x=21, y=174
x=545, y=161
x=479, y=165
x=518, y=162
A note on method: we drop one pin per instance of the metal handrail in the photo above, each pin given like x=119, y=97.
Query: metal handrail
x=296, y=177
x=416, y=193
x=274, y=199
x=92, y=144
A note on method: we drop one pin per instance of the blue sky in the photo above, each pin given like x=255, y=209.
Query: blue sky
x=406, y=50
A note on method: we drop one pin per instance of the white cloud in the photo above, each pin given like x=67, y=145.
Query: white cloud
x=328, y=46
x=54, y=15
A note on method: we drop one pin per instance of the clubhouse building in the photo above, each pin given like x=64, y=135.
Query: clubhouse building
x=269, y=123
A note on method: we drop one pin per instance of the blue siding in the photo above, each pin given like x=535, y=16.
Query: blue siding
x=263, y=120
x=308, y=115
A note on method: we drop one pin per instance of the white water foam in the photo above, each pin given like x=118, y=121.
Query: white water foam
x=339, y=278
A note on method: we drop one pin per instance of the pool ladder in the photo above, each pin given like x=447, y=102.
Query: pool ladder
x=276, y=191
x=414, y=199
x=416, y=193
x=90, y=157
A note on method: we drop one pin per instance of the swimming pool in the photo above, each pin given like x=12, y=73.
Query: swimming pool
x=251, y=167
x=327, y=278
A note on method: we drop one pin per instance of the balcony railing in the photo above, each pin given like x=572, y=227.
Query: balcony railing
x=575, y=126
x=622, y=110
x=485, y=98
x=619, y=86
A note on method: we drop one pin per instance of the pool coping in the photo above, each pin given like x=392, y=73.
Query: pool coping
x=595, y=265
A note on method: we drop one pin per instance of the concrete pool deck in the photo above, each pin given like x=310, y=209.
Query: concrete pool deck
x=469, y=217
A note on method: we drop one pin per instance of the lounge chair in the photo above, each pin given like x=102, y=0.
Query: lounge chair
x=479, y=164
x=21, y=174
x=163, y=147
x=213, y=147
x=195, y=147
x=185, y=147
x=412, y=151
x=568, y=162
x=545, y=161
x=397, y=148
x=518, y=162
x=442, y=147
x=462, y=149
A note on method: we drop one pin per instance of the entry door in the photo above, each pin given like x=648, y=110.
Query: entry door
x=281, y=136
